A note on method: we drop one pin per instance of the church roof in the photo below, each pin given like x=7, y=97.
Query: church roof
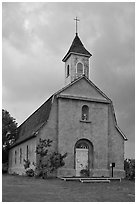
x=30, y=127
x=77, y=48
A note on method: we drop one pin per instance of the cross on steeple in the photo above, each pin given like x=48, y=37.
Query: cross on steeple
x=76, y=19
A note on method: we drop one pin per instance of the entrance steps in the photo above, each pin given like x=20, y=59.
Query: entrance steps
x=91, y=179
x=95, y=181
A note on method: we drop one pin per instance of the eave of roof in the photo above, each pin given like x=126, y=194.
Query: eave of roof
x=115, y=123
x=75, y=53
x=22, y=141
x=120, y=131
x=89, y=81
x=83, y=98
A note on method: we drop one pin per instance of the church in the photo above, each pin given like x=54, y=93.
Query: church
x=79, y=119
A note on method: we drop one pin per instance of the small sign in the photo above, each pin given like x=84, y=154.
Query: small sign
x=112, y=164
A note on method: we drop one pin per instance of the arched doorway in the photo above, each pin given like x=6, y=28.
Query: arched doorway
x=83, y=155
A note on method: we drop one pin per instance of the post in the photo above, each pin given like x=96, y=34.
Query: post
x=113, y=165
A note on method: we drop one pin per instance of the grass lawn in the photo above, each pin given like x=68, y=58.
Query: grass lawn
x=25, y=189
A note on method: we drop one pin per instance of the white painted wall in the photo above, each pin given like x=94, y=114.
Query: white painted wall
x=18, y=167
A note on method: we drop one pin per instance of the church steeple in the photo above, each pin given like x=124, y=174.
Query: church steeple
x=76, y=60
x=76, y=48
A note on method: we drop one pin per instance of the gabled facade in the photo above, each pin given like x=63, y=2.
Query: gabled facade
x=79, y=119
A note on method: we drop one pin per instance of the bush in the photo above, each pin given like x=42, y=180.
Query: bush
x=48, y=163
x=30, y=172
x=56, y=161
x=129, y=167
x=26, y=164
x=84, y=173
x=5, y=167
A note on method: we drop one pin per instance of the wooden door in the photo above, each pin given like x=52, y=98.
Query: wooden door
x=81, y=160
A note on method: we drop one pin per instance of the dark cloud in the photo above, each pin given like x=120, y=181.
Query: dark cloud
x=36, y=36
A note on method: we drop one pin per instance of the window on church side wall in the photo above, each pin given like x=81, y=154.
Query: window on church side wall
x=80, y=68
x=68, y=71
x=27, y=153
x=15, y=156
x=85, y=112
x=20, y=155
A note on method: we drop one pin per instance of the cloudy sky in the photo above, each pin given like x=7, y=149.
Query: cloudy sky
x=36, y=36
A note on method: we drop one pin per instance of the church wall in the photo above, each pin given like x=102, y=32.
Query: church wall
x=18, y=167
x=68, y=79
x=71, y=128
x=49, y=130
x=74, y=60
x=84, y=89
x=116, y=148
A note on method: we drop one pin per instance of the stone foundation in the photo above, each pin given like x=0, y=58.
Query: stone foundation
x=117, y=173
x=16, y=170
x=100, y=173
x=62, y=172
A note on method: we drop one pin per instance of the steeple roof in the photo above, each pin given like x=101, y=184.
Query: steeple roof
x=77, y=48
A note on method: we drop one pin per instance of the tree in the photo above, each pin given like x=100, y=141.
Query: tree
x=129, y=167
x=48, y=162
x=9, y=133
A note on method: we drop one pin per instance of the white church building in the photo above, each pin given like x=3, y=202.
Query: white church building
x=79, y=119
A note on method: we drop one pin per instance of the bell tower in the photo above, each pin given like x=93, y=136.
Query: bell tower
x=76, y=60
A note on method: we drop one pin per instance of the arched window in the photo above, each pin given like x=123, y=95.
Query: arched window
x=20, y=155
x=80, y=68
x=85, y=112
x=27, y=153
x=15, y=156
x=82, y=145
x=68, y=71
